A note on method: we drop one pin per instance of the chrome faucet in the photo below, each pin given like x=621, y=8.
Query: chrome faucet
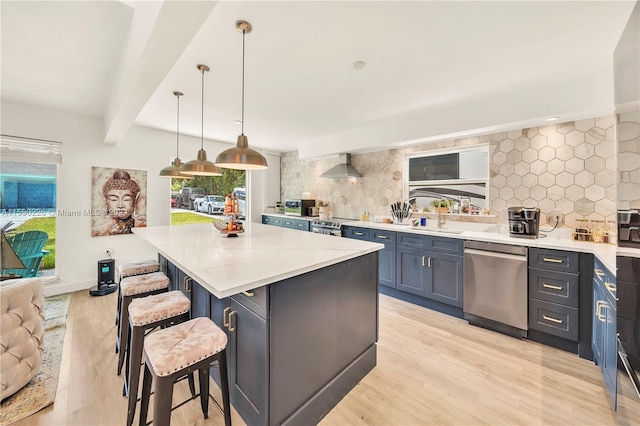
x=440, y=219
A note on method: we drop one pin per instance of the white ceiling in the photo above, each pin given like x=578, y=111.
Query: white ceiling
x=432, y=68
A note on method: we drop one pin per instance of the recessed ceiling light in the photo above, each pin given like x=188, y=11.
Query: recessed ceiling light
x=552, y=118
x=358, y=65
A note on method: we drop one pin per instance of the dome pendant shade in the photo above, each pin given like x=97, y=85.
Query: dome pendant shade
x=241, y=157
x=200, y=166
x=173, y=171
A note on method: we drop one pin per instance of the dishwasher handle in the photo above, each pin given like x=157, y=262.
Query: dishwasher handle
x=471, y=251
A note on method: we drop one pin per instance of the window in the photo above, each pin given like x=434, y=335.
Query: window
x=451, y=174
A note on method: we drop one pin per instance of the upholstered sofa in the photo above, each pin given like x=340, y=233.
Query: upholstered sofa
x=21, y=333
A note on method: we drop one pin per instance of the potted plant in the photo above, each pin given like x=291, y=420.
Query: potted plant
x=441, y=205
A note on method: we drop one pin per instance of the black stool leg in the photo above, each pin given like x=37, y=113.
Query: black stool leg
x=203, y=379
x=146, y=393
x=162, y=400
x=192, y=384
x=132, y=376
x=124, y=330
x=224, y=386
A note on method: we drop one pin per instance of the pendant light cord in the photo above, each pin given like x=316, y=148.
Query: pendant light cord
x=242, y=124
x=178, y=128
x=202, y=114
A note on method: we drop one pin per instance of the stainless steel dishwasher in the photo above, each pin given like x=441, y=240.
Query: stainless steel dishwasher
x=495, y=287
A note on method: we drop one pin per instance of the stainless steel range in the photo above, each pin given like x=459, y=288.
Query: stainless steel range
x=328, y=227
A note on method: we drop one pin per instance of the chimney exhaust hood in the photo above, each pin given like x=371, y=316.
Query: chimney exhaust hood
x=342, y=170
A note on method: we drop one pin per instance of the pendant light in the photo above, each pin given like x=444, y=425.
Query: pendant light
x=173, y=171
x=241, y=157
x=201, y=166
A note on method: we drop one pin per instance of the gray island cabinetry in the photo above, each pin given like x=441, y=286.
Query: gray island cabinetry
x=300, y=311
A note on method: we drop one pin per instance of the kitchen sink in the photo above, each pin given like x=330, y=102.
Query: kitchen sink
x=449, y=231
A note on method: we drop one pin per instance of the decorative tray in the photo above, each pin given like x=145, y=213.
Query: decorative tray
x=223, y=225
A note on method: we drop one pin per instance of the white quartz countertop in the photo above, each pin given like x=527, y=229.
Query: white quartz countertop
x=605, y=252
x=262, y=255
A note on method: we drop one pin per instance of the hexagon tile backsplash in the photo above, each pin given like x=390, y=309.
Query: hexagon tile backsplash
x=569, y=166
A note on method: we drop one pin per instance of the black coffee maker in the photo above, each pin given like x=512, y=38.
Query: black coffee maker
x=524, y=222
x=628, y=228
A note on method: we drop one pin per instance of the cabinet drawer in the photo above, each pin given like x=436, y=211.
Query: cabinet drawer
x=266, y=220
x=554, y=260
x=358, y=233
x=556, y=287
x=446, y=245
x=551, y=318
x=303, y=225
x=277, y=221
x=602, y=276
x=412, y=241
x=289, y=223
x=388, y=238
x=255, y=300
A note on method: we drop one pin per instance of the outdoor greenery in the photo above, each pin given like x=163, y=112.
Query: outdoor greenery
x=185, y=218
x=48, y=225
x=218, y=185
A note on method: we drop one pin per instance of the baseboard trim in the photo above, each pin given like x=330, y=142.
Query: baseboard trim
x=56, y=287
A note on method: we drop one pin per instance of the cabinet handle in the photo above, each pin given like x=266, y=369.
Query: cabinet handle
x=248, y=293
x=429, y=262
x=225, y=322
x=554, y=287
x=611, y=287
x=382, y=237
x=358, y=233
x=185, y=283
x=552, y=319
x=231, y=327
x=422, y=260
x=552, y=260
x=598, y=272
x=600, y=304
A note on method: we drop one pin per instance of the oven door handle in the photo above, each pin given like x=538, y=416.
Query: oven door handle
x=633, y=376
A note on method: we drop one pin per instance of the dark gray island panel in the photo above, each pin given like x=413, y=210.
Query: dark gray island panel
x=323, y=325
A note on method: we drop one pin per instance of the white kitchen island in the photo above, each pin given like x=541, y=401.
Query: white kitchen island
x=300, y=310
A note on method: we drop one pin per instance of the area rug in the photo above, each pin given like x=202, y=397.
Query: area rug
x=41, y=391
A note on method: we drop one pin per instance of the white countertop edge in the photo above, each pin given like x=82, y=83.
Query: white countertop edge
x=605, y=252
x=628, y=252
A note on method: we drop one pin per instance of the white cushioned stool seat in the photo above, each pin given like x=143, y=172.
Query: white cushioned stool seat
x=146, y=310
x=182, y=345
x=143, y=283
x=138, y=268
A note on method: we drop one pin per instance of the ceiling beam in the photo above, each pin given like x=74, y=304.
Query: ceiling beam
x=159, y=33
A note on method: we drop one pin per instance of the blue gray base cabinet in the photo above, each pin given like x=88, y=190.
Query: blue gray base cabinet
x=604, y=340
x=386, y=256
x=287, y=222
x=298, y=346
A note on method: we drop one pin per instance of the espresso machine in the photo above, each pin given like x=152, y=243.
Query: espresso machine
x=524, y=222
x=629, y=228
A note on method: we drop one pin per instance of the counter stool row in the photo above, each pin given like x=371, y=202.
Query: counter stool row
x=182, y=347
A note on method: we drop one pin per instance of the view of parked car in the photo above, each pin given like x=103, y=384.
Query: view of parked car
x=174, y=200
x=212, y=204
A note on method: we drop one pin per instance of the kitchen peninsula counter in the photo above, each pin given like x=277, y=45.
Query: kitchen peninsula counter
x=300, y=310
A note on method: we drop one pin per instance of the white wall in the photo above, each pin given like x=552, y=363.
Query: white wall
x=141, y=148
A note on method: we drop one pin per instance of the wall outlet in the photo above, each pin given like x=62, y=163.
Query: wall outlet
x=504, y=215
x=554, y=217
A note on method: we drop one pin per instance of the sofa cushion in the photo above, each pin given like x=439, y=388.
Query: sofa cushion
x=21, y=333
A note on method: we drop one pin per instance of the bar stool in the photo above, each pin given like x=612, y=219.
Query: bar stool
x=147, y=313
x=129, y=270
x=175, y=351
x=132, y=288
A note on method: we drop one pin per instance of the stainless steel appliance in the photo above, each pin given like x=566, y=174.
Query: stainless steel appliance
x=524, y=222
x=627, y=288
x=313, y=211
x=628, y=228
x=328, y=227
x=495, y=287
x=297, y=207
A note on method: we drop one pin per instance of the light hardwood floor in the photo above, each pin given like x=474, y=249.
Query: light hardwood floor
x=432, y=369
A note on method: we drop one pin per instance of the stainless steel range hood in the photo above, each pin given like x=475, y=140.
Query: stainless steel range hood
x=342, y=170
